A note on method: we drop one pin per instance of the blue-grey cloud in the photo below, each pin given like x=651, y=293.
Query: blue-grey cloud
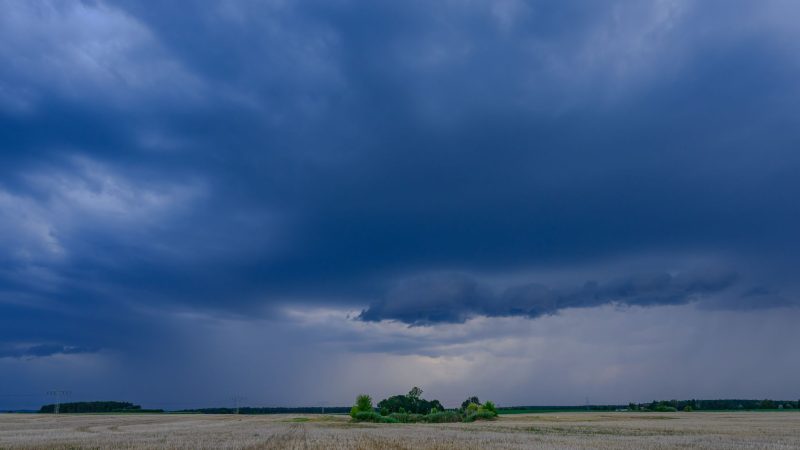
x=454, y=298
x=233, y=158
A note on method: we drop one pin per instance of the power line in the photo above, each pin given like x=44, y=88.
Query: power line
x=58, y=394
x=236, y=399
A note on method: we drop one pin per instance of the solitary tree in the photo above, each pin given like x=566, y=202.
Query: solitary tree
x=363, y=403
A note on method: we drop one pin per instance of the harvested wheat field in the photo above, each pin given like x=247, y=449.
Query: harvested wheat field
x=572, y=430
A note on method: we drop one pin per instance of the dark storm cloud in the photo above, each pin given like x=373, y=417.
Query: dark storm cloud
x=233, y=156
x=454, y=298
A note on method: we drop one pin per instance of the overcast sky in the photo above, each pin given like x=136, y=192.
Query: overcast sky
x=534, y=202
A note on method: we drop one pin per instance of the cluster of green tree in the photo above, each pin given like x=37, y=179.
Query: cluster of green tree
x=412, y=403
x=97, y=407
x=276, y=410
x=412, y=408
x=713, y=405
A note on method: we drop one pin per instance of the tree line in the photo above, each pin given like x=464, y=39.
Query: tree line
x=713, y=405
x=96, y=407
x=412, y=405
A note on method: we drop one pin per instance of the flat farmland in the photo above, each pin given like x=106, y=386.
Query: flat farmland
x=778, y=430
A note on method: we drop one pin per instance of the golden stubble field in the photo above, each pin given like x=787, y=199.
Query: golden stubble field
x=778, y=430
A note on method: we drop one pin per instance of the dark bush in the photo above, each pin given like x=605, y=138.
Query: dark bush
x=437, y=417
x=372, y=416
x=401, y=417
x=443, y=417
x=481, y=414
x=663, y=408
x=364, y=416
x=407, y=418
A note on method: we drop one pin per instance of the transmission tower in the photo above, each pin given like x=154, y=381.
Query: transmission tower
x=236, y=399
x=58, y=394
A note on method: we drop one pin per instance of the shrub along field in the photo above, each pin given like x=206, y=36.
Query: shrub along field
x=412, y=408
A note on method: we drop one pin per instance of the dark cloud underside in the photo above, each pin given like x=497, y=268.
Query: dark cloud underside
x=454, y=298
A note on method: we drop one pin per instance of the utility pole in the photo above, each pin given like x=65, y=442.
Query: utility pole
x=236, y=399
x=58, y=394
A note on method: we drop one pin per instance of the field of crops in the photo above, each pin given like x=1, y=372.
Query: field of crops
x=588, y=430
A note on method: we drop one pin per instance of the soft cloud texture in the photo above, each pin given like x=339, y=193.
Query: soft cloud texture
x=226, y=188
x=452, y=298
